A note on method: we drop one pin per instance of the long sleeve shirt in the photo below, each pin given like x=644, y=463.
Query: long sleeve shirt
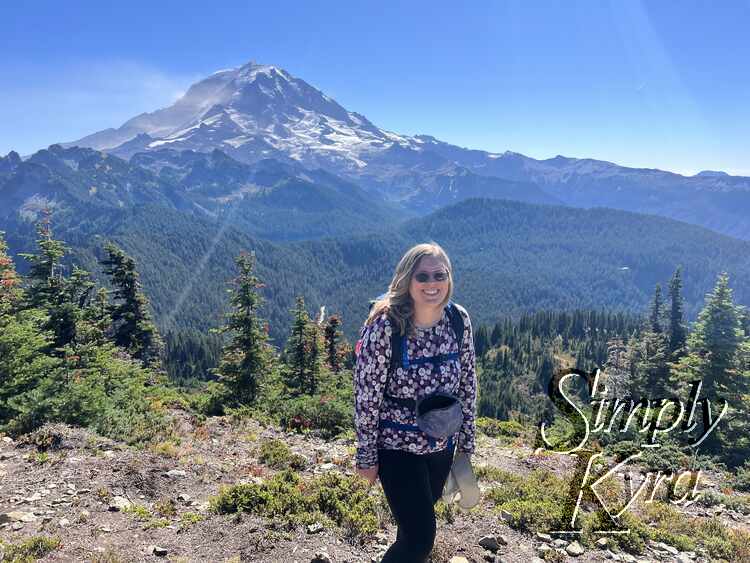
x=416, y=381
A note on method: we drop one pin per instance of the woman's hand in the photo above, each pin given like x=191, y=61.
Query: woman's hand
x=370, y=474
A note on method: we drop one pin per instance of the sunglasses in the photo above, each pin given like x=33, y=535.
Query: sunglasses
x=424, y=277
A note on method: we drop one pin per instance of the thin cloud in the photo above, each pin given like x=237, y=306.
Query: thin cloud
x=40, y=106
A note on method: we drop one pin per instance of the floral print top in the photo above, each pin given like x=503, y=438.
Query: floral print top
x=371, y=374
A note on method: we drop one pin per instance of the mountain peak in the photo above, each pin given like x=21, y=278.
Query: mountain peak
x=712, y=174
x=253, y=68
x=13, y=157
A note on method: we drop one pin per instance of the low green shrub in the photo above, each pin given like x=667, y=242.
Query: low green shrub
x=622, y=450
x=277, y=455
x=188, y=519
x=211, y=400
x=30, y=549
x=633, y=542
x=739, y=503
x=138, y=511
x=488, y=473
x=326, y=414
x=345, y=500
x=535, y=502
x=445, y=512
x=331, y=498
x=669, y=525
x=669, y=458
x=509, y=430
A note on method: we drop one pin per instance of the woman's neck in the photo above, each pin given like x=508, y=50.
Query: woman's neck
x=426, y=318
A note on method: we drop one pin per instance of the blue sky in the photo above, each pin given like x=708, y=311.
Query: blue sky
x=661, y=84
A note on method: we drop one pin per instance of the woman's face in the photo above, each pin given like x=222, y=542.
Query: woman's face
x=430, y=293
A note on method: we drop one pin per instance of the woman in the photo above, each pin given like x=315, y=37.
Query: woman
x=413, y=466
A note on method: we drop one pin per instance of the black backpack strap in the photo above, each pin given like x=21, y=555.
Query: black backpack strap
x=397, y=349
x=457, y=323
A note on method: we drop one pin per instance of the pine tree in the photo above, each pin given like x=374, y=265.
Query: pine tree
x=61, y=298
x=246, y=359
x=10, y=291
x=45, y=274
x=649, y=356
x=304, y=352
x=133, y=327
x=654, y=317
x=677, y=329
x=496, y=335
x=719, y=355
x=335, y=353
x=481, y=341
x=716, y=339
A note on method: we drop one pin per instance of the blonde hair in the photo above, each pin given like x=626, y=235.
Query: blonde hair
x=397, y=302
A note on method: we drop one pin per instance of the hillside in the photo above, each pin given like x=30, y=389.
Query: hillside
x=509, y=257
x=110, y=503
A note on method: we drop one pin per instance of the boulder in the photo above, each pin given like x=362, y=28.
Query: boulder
x=314, y=528
x=17, y=516
x=490, y=542
x=574, y=549
x=119, y=503
x=157, y=550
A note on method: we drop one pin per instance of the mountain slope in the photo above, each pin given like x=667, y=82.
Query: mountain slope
x=269, y=199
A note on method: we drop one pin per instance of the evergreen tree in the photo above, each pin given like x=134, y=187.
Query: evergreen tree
x=190, y=356
x=335, y=353
x=718, y=355
x=304, y=352
x=716, y=339
x=649, y=356
x=45, y=279
x=9, y=282
x=677, y=329
x=133, y=327
x=496, y=335
x=654, y=317
x=62, y=298
x=31, y=378
x=481, y=341
x=247, y=357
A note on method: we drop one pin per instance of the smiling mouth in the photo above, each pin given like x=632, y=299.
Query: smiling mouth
x=431, y=293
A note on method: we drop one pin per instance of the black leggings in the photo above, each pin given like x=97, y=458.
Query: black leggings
x=413, y=484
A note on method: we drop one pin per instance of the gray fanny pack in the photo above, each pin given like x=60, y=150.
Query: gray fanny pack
x=439, y=414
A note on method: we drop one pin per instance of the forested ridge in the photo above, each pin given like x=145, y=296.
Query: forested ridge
x=509, y=258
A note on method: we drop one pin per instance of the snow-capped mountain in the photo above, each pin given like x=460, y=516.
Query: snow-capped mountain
x=257, y=111
x=254, y=112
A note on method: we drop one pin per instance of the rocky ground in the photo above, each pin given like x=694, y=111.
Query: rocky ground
x=108, y=502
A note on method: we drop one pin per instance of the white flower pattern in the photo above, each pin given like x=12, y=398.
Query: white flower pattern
x=370, y=375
